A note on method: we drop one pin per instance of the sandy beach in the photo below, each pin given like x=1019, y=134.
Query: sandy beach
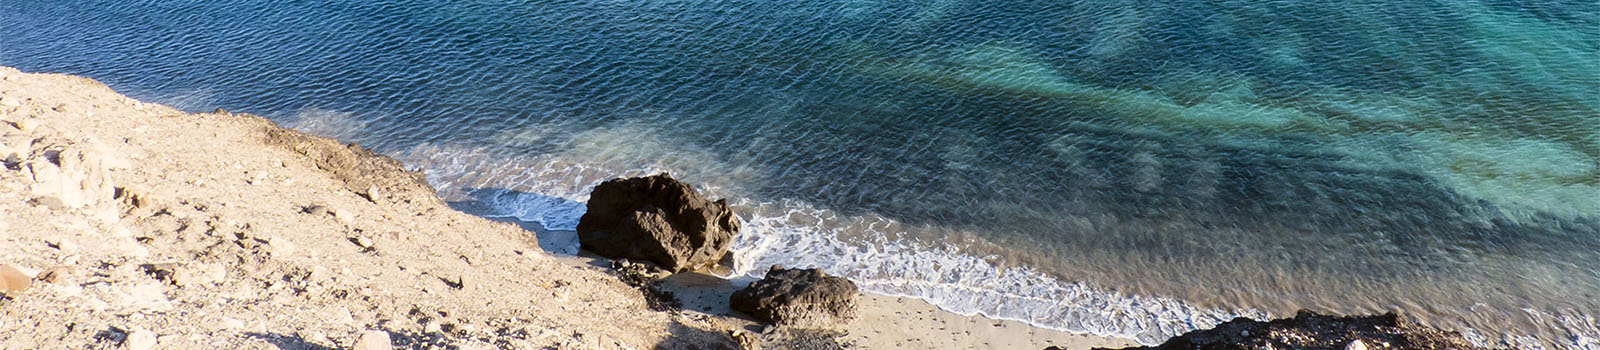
x=143, y=226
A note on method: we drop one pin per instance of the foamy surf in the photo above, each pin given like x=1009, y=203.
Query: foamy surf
x=550, y=190
x=880, y=254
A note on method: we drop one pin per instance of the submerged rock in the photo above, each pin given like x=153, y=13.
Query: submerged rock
x=1308, y=330
x=798, y=297
x=658, y=219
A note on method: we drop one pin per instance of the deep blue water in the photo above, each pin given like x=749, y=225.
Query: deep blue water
x=1132, y=168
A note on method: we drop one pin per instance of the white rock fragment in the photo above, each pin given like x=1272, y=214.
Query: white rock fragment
x=281, y=246
x=141, y=339
x=9, y=101
x=27, y=125
x=62, y=244
x=1356, y=345
x=374, y=340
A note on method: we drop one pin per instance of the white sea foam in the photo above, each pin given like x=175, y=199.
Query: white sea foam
x=941, y=273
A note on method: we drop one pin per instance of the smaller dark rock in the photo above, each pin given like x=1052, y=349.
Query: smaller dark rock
x=1308, y=330
x=315, y=210
x=798, y=297
x=162, y=271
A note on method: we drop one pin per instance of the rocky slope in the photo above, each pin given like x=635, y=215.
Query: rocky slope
x=143, y=226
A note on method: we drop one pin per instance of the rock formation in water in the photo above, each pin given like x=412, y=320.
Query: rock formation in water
x=1308, y=331
x=658, y=219
x=798, y=297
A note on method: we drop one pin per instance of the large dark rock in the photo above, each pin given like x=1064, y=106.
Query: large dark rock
x=1308, y=330
x=658, y=219
x=798, y=297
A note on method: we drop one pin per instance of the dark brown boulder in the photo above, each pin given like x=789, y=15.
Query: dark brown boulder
x=798, y=297
x=657, y=219
x=1308, y=330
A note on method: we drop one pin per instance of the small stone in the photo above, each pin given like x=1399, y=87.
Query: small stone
x=9, y=101
x=365, y=243
x=374, y=340
x=312, y=336
x=199, y=275
x=141, y=339
x=62, y=244
x=454, y=283
x=165, y=272
x=1356, y=345
x=282, y=246
x=55, y=275
x=51, y=202
x=371, y=194
x=433, y=326
x=749, y=341
x=12, y=279
x=315, y=210
x=27, y=125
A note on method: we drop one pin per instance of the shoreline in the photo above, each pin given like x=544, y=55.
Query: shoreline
x=214, y=229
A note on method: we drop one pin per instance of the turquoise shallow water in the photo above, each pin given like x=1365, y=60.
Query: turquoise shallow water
x=1132, y=168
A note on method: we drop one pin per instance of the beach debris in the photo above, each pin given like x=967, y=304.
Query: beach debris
x=798, y=298
x=658, y=219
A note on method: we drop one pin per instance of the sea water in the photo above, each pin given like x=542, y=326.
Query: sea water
x=1125, y=168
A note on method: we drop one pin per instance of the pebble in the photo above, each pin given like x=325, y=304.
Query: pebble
x=363, y=242
x=9, y=101
x=312, y=336
x=62, y=244
x=316, y=210
x=12, y=279
x=1356, y=345
x=55, y=275
x=281, y=246
x=26, y=125
x=374, y=340
x=141, y=339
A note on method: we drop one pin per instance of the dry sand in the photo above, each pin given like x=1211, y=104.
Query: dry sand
x=143, y=225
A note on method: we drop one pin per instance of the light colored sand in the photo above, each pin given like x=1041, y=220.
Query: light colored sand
x=916, y=324
x=116, y=193
x=887, y=322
